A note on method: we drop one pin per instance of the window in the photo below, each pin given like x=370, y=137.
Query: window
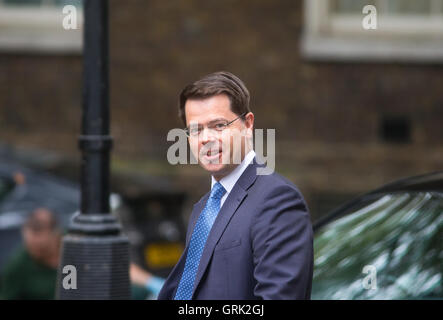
x=407, y=30
x=395, y=129
x=37, y=26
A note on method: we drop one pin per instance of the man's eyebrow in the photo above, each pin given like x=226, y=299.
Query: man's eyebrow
x=210, y=122
x=218, y=119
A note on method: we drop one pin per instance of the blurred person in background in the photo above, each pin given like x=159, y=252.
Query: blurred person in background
x=32, y=271
x=144, y=284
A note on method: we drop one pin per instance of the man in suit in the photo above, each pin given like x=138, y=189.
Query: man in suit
x=250, y=237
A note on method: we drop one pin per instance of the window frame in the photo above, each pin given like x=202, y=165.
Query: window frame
x=38, y=29
x=341, y=37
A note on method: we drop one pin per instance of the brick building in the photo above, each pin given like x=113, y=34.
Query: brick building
x=352, y=110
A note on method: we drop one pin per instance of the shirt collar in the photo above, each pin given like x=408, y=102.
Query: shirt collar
x=229, y=181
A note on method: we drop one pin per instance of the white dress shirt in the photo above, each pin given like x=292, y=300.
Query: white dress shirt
x=230, y=180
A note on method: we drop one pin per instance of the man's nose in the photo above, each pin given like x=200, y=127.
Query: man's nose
x=207, y=135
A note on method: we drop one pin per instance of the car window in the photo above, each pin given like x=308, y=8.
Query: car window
x=390, y=248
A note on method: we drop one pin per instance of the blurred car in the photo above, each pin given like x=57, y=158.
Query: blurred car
x=386, y=244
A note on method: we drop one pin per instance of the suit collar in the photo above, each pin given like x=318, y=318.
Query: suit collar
x=231, y=179
x=246, y=179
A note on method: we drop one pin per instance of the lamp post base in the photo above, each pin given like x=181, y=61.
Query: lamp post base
x=94, y=266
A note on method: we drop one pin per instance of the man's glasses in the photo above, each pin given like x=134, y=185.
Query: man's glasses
x=214, y=126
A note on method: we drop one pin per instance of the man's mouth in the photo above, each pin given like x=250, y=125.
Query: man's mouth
x=212, y=155
x=213, y=152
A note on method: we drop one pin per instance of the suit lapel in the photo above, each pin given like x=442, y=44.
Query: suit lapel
x=232, y=202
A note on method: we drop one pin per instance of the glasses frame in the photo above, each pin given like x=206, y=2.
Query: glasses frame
x=188, y=134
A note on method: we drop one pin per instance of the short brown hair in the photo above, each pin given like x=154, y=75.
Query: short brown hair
x=41, y=219
x=214, y=84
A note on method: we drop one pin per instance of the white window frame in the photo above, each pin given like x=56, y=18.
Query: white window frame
x=329, y=36
x=38, y=29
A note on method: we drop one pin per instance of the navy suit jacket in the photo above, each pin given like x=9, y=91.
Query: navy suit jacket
x=260, y=245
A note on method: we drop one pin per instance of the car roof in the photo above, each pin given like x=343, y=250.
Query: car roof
x=40, y=190
x=425, y=182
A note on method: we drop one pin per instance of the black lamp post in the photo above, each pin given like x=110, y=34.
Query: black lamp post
x=94, y=245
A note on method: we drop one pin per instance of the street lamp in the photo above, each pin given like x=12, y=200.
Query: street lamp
x=95, y=248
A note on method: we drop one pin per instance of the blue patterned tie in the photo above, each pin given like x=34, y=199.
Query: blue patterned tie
x=197, y=243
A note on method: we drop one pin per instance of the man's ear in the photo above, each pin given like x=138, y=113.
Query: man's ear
x=249, y=123
x=249, y=120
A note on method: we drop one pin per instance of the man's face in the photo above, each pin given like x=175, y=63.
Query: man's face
x=40, y=237
x=39, y=243
x=216, y=151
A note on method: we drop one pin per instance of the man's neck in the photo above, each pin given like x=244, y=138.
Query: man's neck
x=233, y=167
x=240, y=167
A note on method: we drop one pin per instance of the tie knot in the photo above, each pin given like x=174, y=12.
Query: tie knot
x=217, y=191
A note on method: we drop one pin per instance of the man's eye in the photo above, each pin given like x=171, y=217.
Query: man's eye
x=194, y=130
x=220, y=126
